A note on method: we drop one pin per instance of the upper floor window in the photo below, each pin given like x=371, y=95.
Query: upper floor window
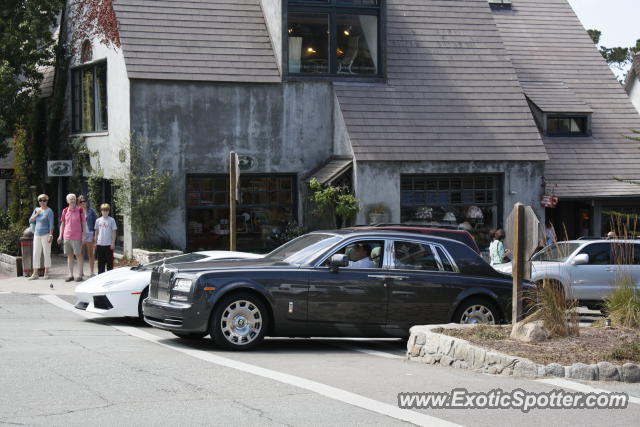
x=336, y=37
x=89, y=98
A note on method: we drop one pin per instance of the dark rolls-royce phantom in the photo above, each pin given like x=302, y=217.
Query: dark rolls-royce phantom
x=329, y=283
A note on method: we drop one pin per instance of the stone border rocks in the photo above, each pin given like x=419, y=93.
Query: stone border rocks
x=433, y=348
x=145, y=257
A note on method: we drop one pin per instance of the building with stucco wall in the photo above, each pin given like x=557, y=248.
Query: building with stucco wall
x=419, y=107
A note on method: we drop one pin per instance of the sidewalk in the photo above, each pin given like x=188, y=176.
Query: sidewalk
x=57, y=273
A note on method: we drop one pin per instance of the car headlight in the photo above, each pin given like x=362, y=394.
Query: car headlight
x=182, y=285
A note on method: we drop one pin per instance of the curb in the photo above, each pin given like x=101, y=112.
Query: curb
x=426, y=346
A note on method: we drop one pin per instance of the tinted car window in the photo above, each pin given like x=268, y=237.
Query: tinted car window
x=599, y=253
x=414, y=256
x=445, y=260
x=362, y=254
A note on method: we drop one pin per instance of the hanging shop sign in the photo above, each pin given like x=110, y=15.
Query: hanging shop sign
x=549, y=201
x=59, y=168
x=246, y=163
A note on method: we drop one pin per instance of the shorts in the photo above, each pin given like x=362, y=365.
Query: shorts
x=88, y=237
x=72, y=247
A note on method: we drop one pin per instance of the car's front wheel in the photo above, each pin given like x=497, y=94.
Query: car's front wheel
x=477, y=311
x=143, y=295
x=239, y=321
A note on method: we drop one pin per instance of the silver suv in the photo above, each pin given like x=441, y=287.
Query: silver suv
x=587, y=269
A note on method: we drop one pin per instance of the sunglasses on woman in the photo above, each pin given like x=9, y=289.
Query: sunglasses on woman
x=43, y=200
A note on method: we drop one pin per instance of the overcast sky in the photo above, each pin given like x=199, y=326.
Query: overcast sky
x=617, y=19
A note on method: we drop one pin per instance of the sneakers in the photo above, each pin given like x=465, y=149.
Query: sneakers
x=69, y=279
x=34, y=276
x=45, y=277
x=79, y=279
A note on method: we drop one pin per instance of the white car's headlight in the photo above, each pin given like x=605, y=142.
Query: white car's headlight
x=183, y=285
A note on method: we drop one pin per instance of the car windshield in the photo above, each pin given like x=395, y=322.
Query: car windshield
x=304, y=248
x=191, y=257
x=557, y=252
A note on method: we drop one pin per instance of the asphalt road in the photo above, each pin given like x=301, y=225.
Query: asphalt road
x=60, y=368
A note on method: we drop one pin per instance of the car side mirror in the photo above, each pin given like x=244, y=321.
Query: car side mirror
x=580, y=259
x=337, y=261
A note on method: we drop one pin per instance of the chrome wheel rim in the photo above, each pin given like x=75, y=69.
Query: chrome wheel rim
x=478, y=314
x=241, y=322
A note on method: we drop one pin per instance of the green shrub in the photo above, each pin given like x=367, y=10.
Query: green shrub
x=623, y=305
x=10, y=239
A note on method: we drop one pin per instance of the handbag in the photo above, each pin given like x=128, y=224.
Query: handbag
x=32, y=225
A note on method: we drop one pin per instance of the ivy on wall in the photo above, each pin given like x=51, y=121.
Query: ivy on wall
x=94, y=19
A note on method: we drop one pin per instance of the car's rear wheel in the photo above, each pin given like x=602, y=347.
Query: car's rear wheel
x=239, y=321
x=477, y=311
x=143, y=295
x=190, y=336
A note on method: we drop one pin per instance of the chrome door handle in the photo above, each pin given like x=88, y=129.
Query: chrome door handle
x=386, y=276
x=608, y=269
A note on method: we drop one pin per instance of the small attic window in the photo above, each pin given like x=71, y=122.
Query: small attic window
x=573, y=125
x=498, y=5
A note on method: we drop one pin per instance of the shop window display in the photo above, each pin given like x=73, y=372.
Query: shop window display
x=266, y=206
x=464, y=202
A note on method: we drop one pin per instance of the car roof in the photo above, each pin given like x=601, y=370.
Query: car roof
x=386, y=234
x=600, y=240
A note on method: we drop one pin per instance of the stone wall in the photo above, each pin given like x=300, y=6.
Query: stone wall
x=11, y=265
x=432, y=348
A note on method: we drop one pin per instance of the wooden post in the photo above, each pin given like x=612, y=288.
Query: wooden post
x=518, y=264
x=233, y=191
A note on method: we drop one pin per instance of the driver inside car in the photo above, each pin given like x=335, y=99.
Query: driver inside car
x=359, y=256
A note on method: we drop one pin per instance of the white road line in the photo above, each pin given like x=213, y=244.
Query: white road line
x=561, y=382
x=316, y=387
x=368, y=351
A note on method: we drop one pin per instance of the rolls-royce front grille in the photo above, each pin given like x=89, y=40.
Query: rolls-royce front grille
x=160, y=284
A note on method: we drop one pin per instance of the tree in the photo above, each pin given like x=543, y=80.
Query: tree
x=26, y=45
x=617, y=57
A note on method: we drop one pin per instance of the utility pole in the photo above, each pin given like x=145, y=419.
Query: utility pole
x=233, y=197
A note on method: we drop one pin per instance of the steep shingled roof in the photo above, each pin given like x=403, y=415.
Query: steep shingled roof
x=451, y=94
x=205, y=40
x=547, y=42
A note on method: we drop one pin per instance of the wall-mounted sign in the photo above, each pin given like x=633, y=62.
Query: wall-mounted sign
x=246, y=163
x=59, y=168
x=6, y=173
x=549, y=201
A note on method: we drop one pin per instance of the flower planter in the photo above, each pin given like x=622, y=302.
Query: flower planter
x=378, y=218
x=145, y=257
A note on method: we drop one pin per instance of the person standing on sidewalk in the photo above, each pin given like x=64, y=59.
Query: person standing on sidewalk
x=73, y=228
x=105, y=238
x=497, y=252
x=87, y=242
x=42, y=217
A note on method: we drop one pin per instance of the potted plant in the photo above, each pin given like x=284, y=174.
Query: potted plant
x=332, y=199
x=378, y=214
